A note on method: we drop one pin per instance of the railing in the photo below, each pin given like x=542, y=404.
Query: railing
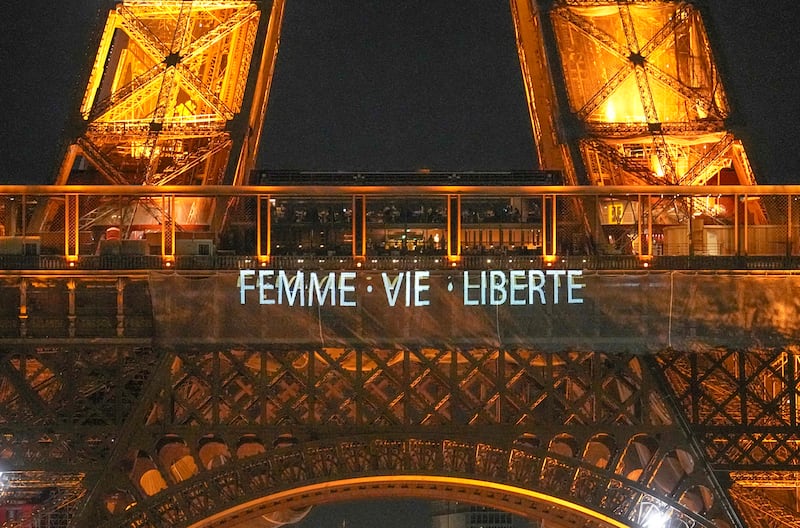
x=462, y=221
x=499, y=262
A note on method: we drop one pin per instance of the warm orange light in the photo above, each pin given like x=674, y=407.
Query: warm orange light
x=396, y=481
x=134, y=119
x=646, y=260
x=635, y=92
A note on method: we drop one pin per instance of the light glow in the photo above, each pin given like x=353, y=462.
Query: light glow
x=394, y=482
x=631, y=88
x=655, y=518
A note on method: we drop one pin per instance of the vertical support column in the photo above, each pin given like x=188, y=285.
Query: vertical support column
x=789, y=226
x=120, y=307
x=454, y=228
x=168, y=230
x=645, y=250
x=640, y=248
x=736, y=224
x=690, y=226
x=24, y=218
x=71, y=317
x=359, y=228
x=23, y=308
x=746, y=226
x=264, y=228
x=71, y=229
x=650, y=226
x=545, y=237
x=549, y=226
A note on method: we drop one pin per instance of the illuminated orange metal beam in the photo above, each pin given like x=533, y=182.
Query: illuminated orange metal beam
x=258, y=109
x=397, y=481
x=324, y=190
x=537, y=79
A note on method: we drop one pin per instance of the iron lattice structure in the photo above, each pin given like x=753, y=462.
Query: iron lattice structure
x=168, y=80
x=152, y=428
x=107, y=427
x=172, y=437
x=629, y=93
x=642, y=80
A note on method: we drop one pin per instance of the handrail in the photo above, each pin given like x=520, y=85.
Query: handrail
x=373, y=219
x=21, y=264
x=388, y=190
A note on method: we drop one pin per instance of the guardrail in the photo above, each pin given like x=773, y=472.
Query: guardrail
x=430, y=225
x=12, y=263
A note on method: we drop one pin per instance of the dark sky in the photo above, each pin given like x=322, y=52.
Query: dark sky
x=380, y=85
x=398, y=85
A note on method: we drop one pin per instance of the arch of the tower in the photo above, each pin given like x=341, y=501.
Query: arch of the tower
x=580, y=439
x=599, y=480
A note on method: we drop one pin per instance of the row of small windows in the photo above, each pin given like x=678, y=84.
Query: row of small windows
x=490, y=519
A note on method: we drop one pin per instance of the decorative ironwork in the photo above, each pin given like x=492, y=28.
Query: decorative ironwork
x=375, y=412
x=133, y=429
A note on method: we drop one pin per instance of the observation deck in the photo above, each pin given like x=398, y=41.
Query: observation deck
x=294, y=220
x=499, y=249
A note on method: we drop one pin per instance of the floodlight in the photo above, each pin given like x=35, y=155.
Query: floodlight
x=655, y=518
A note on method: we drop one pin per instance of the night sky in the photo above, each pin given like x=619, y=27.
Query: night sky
x=379, y=85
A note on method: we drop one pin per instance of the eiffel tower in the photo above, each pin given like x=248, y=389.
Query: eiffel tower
x=152, y=398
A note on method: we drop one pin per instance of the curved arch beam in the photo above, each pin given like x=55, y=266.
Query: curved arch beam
x=527, y=481
x=513, y=499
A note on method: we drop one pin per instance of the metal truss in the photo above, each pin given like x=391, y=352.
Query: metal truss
x=639, y=61
x=578, y=423
x=98, y=403
x=167, y=79
x=172, y=88
x=762, y=512
x=468, y=470
x=133, y=433
x=742, y=405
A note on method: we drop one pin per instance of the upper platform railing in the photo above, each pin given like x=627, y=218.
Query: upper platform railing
x=467, y=220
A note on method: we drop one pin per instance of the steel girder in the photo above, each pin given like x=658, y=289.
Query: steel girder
x=167, y=80
x=108, y=413
x=641, y=78
x=88, y=409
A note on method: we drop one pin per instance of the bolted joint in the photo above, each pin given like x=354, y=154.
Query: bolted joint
x=637, y=59
x=173, y=59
